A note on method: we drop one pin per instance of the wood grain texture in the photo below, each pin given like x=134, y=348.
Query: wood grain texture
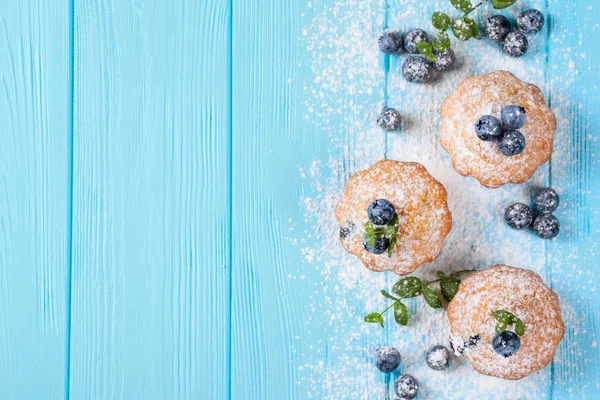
x=34, y=200
x=150, y=287
x=575, y=173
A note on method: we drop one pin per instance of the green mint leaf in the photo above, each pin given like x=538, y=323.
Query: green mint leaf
x=471, y=23
x=425, y=49
x=390, y=231
x=462, y=29
x=431, y=298
x=441, y=43
x=401, y=313
x=390, y=248
x=408, y=287
x=449, y=287
x=501, y=328
x=375, y=318
x=371, y=241
x=394, y=221
x=520, y=327
x=385, y=293
x=502, y=4
x=440, y=20
x=369, y=228
x=504, y=316
x=441, y=274
x=464, y=6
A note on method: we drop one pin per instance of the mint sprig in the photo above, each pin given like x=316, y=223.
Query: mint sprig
x=412, y=286
x=505, y=319
x=390, y=231
x=463, y=27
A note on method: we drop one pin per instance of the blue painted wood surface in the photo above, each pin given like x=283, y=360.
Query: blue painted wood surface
x=153, y=165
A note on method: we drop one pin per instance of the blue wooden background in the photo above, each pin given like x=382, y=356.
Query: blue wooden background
x=150, y=177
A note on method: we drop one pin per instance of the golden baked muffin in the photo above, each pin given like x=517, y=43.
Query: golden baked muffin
x=388, y=195
x=487, y=95
x=506, y=322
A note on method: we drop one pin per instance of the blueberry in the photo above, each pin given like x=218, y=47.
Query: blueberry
x=406, y=386
x=518, y=216
x=515, y=44
x=381, y=212
x=512, y=143
x=387, y=359
x=444, y=60
x=379, y=247
x=546, y=226
x=438, y=358
x=530, y=21
x=416, y=69
x=497, y=27
x=389, y=119
x=347, y=229
x=390, y=42
x=545, y=200
x=506, y=343
x=513, y=117
x=412, y=38
x=488, y=128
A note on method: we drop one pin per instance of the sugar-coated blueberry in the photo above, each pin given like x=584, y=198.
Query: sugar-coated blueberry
x=546, y=226
x=390, y=42
x=416, y=69
x=347, y=229
x=545, y=200
x=381, y=212
x=488, y=128
x=389, y=119
x=379, y=247
x=530, y=21
x=412, y=38
x=515, y=44
x=506, y=343
x=497, y=27
x=438, y=358
x=387, y=359
x=406, y=386
x=512, y=143
x=518, y=216
x=513, y=117
x=444, y=60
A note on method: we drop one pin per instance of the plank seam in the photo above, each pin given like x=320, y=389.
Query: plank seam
x=71, y=122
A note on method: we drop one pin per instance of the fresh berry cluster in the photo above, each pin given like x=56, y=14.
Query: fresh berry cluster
x=545, y=225
x=515, y=43
x=387, y=359
x=415, y=69
x=510, y=141
x=382, y=227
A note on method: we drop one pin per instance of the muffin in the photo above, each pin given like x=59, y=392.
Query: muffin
x=506, y=322
x=486, y=160
x=394, y=216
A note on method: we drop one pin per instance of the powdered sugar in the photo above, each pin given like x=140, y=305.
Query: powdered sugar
x=343, y=101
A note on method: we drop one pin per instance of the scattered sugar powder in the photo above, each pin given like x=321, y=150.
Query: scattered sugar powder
x=347, y=92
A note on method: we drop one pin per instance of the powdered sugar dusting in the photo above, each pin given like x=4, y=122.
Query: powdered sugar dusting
x=343, y=100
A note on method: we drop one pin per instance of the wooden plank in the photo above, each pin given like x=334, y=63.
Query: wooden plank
x=150, y=293
x=282, y=334
x=575, y=174
x=34, y=204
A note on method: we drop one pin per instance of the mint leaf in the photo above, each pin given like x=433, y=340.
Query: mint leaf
x=503, y=316
x=520, y=327
x=440, y=20
x=401, y=313
x=441, y=43
x=385, y=293
x=431, y=298
x=462, y=30
x=390, y=231
x=390, y=248
x=426, y=49
x=501, y=328
x=408, y=287
x=464, y=6
x=502, y=4
x=471, y=23
x=375, y=318
x=449, y=287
